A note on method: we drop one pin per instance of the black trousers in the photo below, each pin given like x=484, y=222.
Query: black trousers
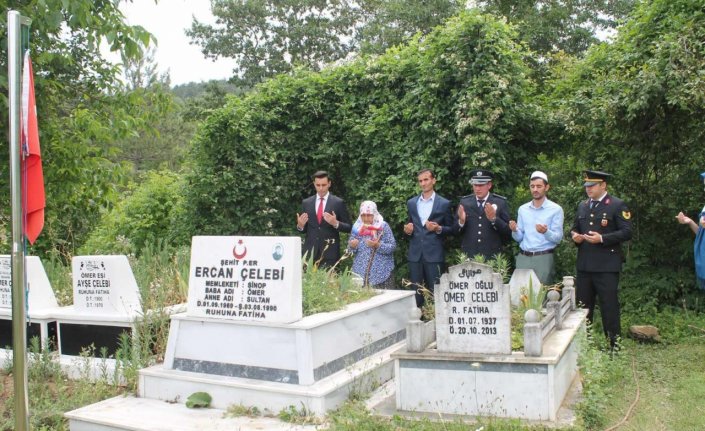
x=602, y=285
x=425, y=274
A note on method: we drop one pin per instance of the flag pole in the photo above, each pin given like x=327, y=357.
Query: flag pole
x=15, y=21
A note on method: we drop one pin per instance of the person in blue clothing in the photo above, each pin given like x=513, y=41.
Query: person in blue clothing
x=699, y=246
x=372, y=244
x=429, y=221
x=538, y=230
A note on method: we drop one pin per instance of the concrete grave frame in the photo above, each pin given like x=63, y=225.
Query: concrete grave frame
x=280, y=364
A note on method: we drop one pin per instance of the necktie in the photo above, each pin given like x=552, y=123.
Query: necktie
x=319, y=213
x=480, y=203
x=593, y=204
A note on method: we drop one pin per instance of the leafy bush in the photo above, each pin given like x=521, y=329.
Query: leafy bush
x=143, y=216
x=634, y=107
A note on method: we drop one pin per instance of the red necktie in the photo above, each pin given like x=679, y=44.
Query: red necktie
x=319, y=213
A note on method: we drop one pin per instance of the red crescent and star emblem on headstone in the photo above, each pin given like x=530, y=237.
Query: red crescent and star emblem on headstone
x=240, y=250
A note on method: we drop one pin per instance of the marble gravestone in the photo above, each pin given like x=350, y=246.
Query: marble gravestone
x=40, y=294
x=473, y=371
x=40, y=302
x=104, y=286
x=473, y=314
x=251, y=278
x=106, y=304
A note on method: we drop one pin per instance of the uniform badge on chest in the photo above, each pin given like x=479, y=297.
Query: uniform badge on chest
x=604, y=221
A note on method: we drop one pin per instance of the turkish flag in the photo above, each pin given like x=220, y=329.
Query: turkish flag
x=33, y=201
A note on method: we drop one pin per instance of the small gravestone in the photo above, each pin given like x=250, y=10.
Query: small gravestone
x=246, y=278
x=104, y=285
x=522, y=279
x=41, y=302
x=472, y=311
x=106, y=304
x=40, y=295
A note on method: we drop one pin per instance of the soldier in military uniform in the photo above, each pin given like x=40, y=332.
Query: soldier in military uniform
x=602, y=224
x=483, y=218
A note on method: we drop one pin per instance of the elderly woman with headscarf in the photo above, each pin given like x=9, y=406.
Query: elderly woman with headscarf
x=699, y=246
x=372, y=243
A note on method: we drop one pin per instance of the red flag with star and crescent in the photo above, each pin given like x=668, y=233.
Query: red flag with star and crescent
x=33, y=200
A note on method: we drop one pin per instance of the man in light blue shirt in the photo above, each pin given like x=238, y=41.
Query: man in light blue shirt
x=538, y=230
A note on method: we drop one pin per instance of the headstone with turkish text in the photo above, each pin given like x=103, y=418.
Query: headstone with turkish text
x=473, y=312
x=251, y=278
x=105, y=285
x=41, y=295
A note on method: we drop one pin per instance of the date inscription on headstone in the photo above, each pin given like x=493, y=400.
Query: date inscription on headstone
x=246, y=278
x=472, y=311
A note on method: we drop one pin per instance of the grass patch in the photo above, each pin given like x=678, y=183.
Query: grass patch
x=51, y=393
x=237, y=410
x=300, y=416
x=353, y=416
x=326, y=289
x=671, y=380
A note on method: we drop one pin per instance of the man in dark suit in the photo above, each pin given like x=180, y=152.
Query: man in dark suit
x=602, y=224
x=483, y=218
x=323, y=217
x=430, y=220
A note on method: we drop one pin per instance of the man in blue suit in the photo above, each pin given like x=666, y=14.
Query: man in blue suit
x=430, y=220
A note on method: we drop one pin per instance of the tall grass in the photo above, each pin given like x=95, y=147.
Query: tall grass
x=51, y=393
x=326, y=289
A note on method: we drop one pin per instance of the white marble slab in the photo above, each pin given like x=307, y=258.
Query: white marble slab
x=104, y=285
x=473, y=313
x=41, y=295
x=247, y=278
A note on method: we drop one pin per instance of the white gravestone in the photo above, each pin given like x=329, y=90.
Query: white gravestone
x=41, y=295
x=250, y=278
x=520, y=280
x=472, y=311
x=105, y=285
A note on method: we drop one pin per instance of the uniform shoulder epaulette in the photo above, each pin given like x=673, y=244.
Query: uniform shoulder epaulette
x=499, y=196
x=467, y=196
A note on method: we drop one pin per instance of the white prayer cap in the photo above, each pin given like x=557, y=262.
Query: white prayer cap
x=538, y=174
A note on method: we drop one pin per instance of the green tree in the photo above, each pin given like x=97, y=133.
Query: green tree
x=164, y=142
x=141, y=72
x=143, y=215
x=82, y=113
x=550, y=26
x=634, y=107
x=270, y=37
x=213, y=97
x=386, y=23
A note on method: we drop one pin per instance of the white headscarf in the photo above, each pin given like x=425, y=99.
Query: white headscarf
x=368, y=207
